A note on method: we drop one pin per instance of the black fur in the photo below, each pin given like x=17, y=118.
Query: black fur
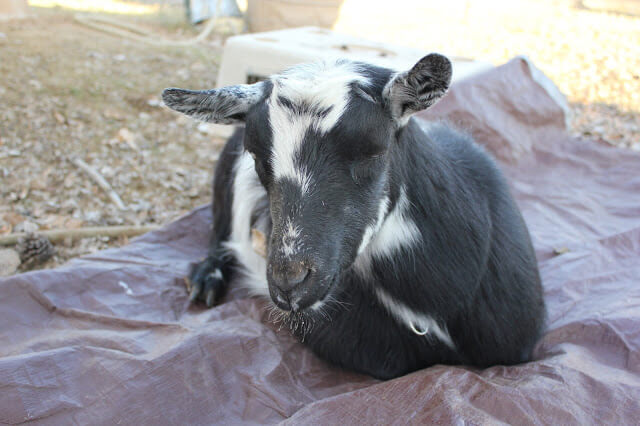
x=204, y=286
x=473, y=269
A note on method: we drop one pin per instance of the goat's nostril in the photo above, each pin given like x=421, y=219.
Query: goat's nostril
x=299, y=277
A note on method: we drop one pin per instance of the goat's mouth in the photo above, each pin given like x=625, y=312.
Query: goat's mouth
x=302, y=321
x=317, y=305
x=309, y=306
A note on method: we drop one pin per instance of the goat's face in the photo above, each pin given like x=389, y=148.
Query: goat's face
x=321, y=137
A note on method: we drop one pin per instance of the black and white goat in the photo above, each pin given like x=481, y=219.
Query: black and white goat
x=391, y=246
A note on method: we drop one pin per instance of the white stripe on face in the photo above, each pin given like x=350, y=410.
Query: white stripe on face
x=290, y=239
x=323, y=90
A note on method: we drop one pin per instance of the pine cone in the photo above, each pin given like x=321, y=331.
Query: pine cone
x=35, y=249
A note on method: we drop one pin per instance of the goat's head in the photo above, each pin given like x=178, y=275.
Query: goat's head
x=320, y=135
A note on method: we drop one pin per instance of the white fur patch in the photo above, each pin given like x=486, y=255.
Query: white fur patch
x=421, y=324
x=323, y=90
x=397, y=231
x=317, y=305
x=247, y=191
x=216, y=274
x=370, y=231
x=291, y=239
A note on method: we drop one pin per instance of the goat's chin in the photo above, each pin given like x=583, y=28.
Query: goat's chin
x=302, y=321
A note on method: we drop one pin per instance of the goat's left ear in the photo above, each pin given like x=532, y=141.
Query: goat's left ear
x=417, y=89
x=227, y=105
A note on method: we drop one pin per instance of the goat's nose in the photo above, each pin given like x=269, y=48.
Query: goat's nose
x=290, y=277
x=286, y=281
x=296, y=277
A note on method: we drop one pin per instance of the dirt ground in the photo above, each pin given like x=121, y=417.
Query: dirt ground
x=70, y=92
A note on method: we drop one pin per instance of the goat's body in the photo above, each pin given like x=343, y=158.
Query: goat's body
x=451, y=256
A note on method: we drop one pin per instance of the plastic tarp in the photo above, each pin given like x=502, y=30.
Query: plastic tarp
x=110, y=339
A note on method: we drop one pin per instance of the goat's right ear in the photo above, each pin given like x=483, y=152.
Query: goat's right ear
x=419, y=88
x=227, y=105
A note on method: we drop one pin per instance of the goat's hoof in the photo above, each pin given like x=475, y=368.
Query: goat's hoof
x=207, y=282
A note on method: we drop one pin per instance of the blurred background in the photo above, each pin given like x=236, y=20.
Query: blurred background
x=81, y=80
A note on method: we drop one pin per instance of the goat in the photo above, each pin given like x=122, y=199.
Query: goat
x=390, y=245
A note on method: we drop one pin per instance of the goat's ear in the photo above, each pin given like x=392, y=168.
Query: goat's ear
x=419, y=88
x=227, y=105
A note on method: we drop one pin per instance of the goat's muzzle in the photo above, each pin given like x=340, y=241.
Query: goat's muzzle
x=291, y=284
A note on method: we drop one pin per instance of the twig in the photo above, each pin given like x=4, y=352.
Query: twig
x=102, y=183
x=55, y=235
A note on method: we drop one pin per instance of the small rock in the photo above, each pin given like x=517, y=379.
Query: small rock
x=9, y=262
x=107, y=171
x=183, y=74
x=125, y=135
x=154, y=102
x=203, y=128
x=120, y=57
x=36, y=84
x=93, y=216
x=70, y=180
x=26, y=226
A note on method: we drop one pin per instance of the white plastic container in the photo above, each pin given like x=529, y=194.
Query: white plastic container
x=252, y=57
x=249, y=57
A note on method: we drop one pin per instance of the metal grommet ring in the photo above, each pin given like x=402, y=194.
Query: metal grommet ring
x=418, y=332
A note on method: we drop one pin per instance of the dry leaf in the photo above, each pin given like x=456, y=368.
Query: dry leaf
x=125, y=135
x=60, y=118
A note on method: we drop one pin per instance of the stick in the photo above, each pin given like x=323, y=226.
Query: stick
x=102, y=183
x=55, y=235
x=122, y=29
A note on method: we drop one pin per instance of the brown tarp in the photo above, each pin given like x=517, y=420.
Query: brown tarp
x=110, y=339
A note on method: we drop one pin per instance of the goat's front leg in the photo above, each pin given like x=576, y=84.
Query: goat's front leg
x=209, y=279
